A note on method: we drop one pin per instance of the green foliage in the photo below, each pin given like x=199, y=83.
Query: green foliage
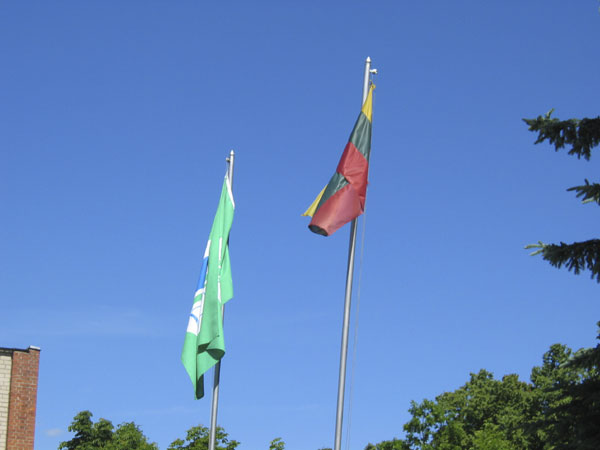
x=589, y=192
x=394, y=444
x=491, y=437
x=575, y=257
x=100, y=435
x=197, y=439
x=558, y=410
x=277, y=444
x=548, y=381
x=582, y=135
x=129, y=436
x=572, y=411
x=484, y=413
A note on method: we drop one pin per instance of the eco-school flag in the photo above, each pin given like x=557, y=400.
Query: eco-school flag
x=204, y=344
x=343, y=199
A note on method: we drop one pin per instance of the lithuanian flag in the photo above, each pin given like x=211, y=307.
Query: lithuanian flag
x=343, y=199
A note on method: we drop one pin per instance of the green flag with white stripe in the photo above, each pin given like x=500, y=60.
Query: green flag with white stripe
x=204, y=343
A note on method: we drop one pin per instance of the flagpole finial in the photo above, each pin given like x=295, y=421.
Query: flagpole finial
x=229, y=160
x=368, y=59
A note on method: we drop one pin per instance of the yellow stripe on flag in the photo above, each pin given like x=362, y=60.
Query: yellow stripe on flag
x=367, y=108
x=313, y=206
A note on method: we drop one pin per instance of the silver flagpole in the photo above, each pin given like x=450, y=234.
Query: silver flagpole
x=215, y=397
x=349, y=275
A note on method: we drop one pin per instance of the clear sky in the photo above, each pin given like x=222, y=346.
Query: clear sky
x=115, y=121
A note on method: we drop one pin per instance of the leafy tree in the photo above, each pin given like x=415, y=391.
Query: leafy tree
x=394, y=444
x=100, y=435
x=483, y=414
x=277, y=444
x=129, y=436
x=548, y=381
x=583, y=409
x=581, y=136
x=197, y=439
x=558, y=410
x=569, y=398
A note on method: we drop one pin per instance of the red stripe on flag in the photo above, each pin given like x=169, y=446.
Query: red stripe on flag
x=339, y=209
x=355, y=169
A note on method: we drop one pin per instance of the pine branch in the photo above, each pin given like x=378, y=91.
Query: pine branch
x=582, y=134
x=576, y=257
x=589, y=192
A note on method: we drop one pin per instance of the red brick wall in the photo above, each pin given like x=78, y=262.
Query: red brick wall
x=22, y=400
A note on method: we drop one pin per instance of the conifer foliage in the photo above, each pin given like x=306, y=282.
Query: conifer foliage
x=579, y=136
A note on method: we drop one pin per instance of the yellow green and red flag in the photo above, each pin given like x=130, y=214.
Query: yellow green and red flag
x=343, y=199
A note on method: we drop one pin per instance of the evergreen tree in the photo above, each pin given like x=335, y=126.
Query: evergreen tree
x=579, y=136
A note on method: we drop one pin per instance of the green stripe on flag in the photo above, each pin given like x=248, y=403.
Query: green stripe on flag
x=337, y=182
x=361, y=135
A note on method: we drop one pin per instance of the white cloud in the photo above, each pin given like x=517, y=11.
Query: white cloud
x=94, y=321
x=53, y=432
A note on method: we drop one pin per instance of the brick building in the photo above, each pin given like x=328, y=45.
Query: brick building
x=18, y=394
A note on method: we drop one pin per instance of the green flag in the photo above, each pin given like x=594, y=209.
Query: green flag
x=204, y=344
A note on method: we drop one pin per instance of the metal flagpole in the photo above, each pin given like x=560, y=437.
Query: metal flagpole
x=215, y=397
x=346, y=325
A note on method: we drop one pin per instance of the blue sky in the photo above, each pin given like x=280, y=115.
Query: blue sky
x=115, y=121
